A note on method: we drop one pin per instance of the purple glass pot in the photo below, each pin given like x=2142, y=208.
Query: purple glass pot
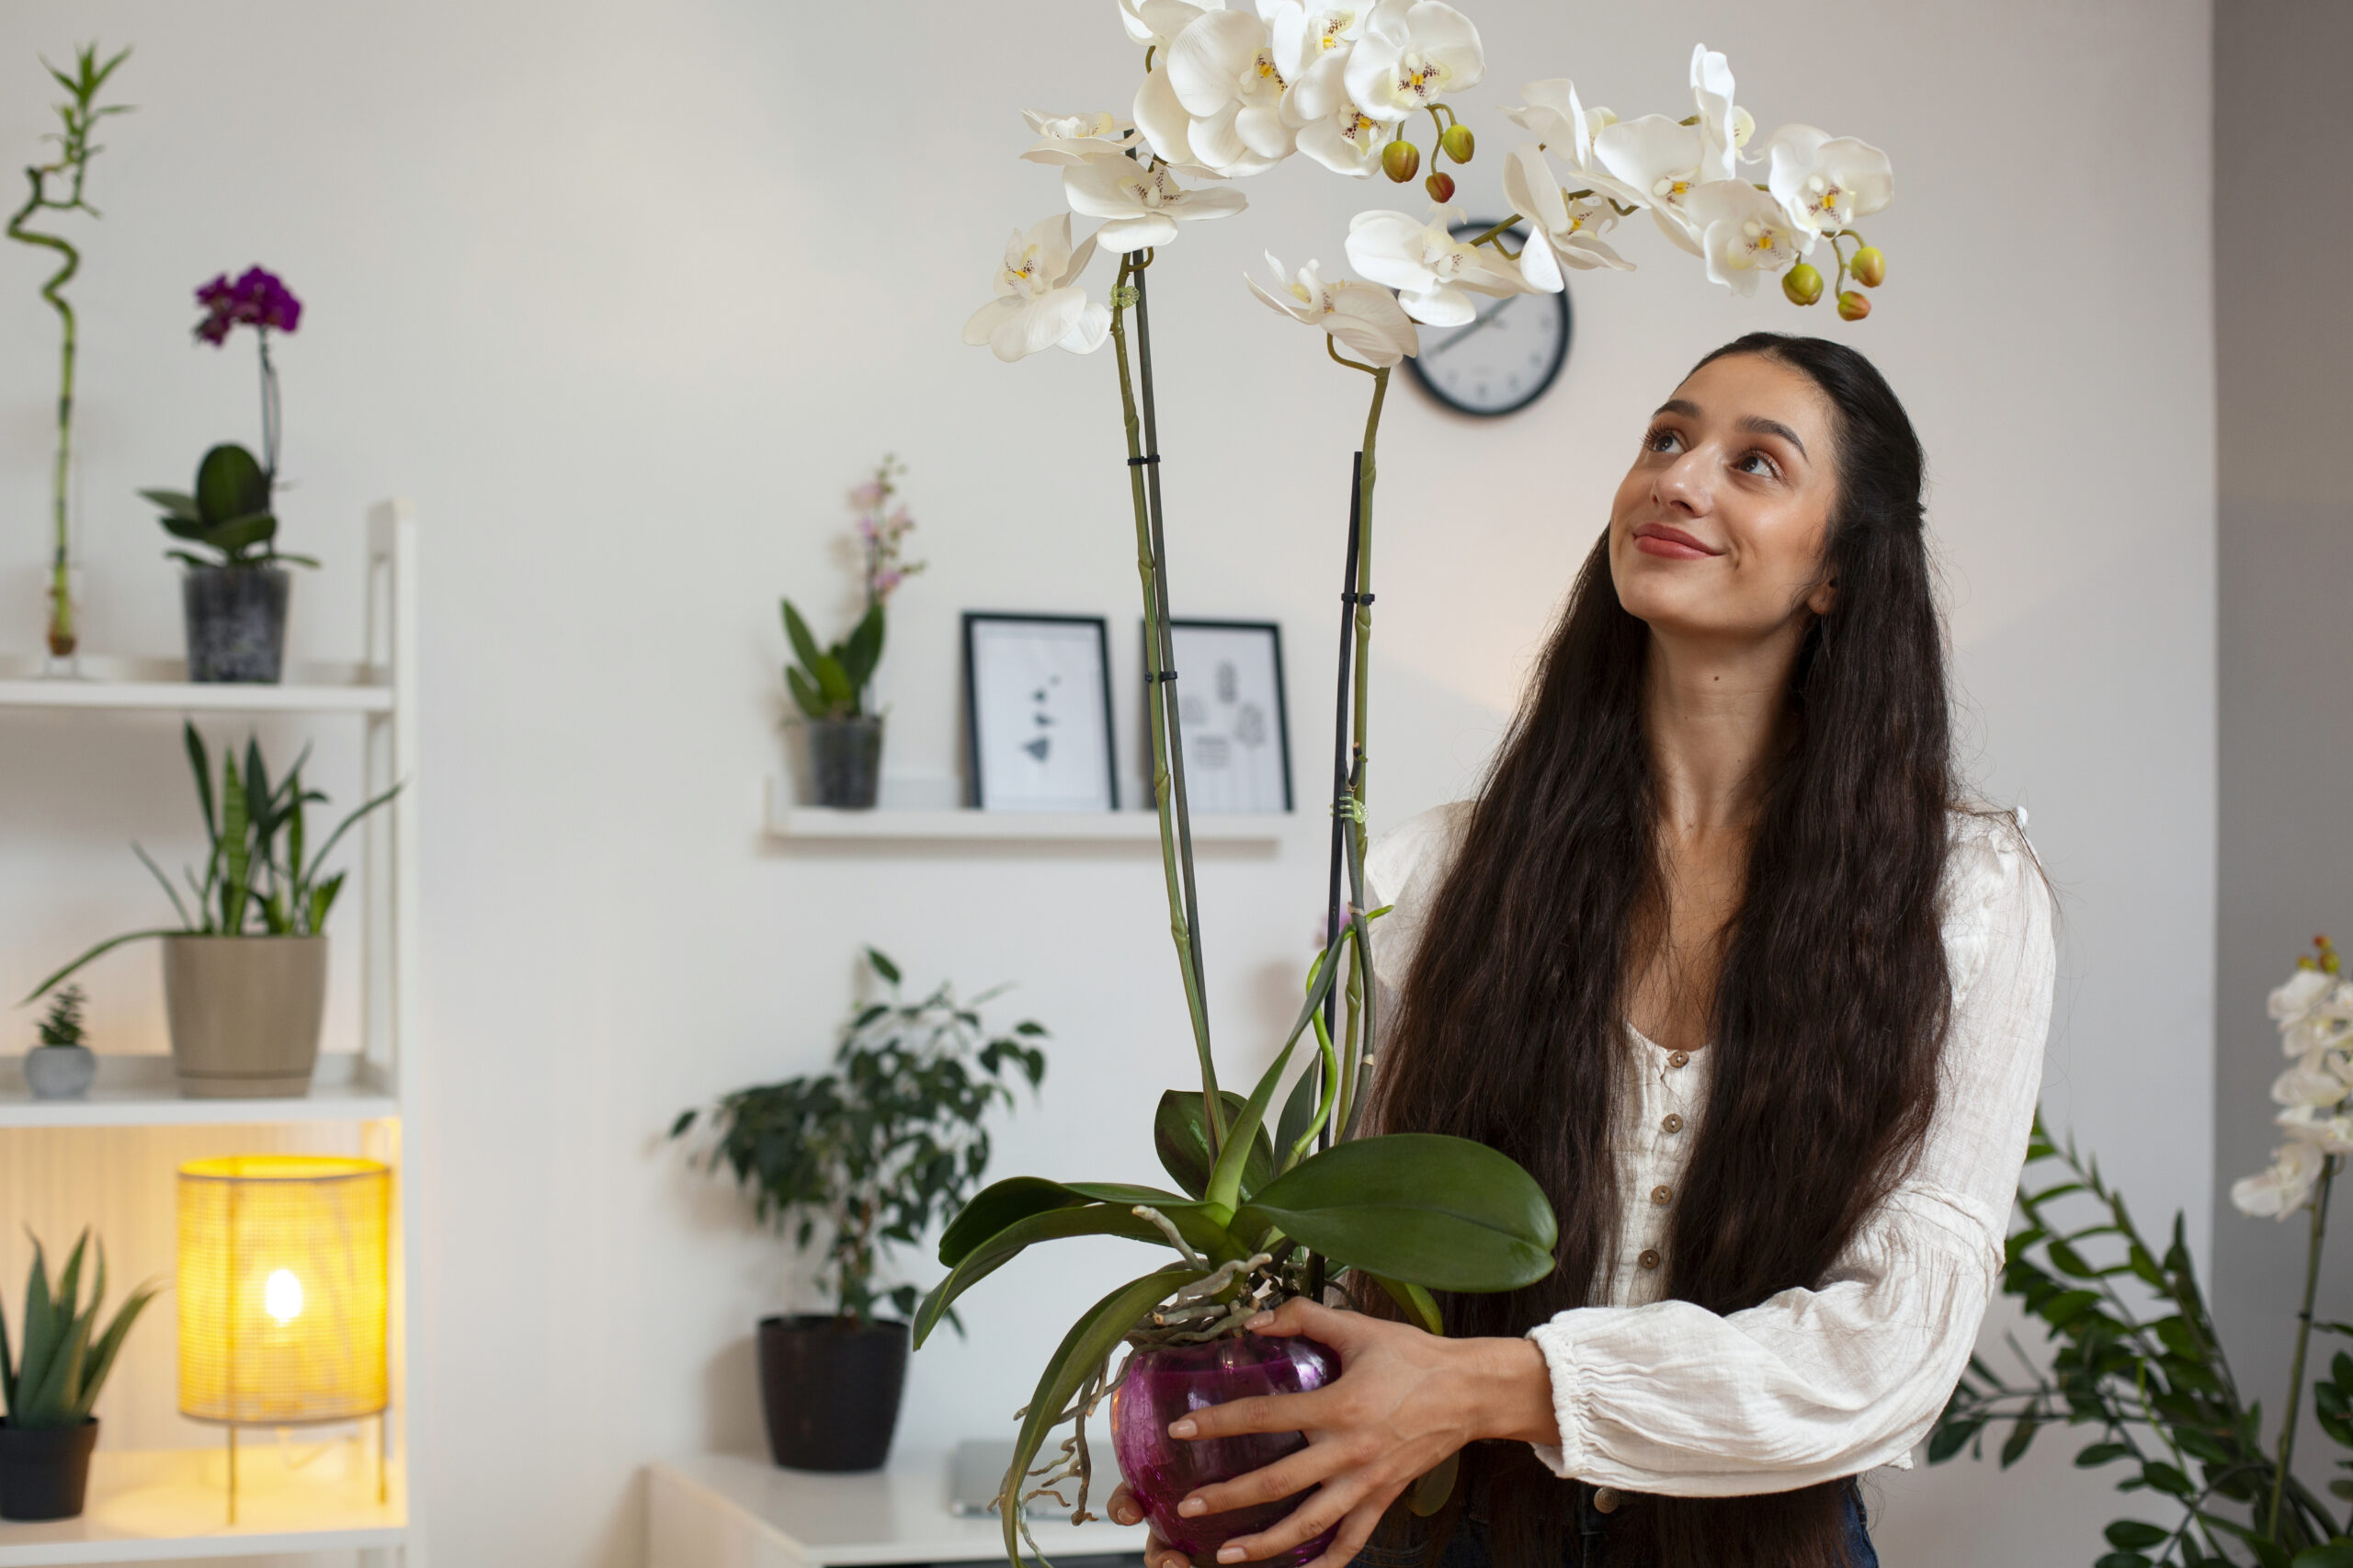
x=1161, y=1471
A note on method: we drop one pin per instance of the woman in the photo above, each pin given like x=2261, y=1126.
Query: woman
x=1720, y=957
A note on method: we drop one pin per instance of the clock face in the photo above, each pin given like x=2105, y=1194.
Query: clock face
x=1503, y=361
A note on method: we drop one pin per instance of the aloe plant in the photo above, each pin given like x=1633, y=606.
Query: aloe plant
x=66, y=1357
x=261, y=878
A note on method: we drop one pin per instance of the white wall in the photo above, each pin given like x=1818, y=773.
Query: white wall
x=626, y=296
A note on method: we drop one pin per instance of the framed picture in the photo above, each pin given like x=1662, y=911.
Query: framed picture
x=1038, y=711
x=1229, y=713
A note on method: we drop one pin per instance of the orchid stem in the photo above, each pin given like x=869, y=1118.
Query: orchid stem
x=1363, y=1001
x=2303, y=1338
x=1489, y=237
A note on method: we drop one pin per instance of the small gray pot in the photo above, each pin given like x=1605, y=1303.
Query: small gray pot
x=60, y=1071
x=845, y=761
x=236, y=622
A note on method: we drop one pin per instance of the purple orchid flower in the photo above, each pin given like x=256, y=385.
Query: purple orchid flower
x=258, y=299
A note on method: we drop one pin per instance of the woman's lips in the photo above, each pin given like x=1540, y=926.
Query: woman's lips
x=1657, y=538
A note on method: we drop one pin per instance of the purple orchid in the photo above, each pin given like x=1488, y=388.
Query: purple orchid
x=258, y=299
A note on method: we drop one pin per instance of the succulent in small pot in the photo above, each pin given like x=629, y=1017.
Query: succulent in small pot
x=867, y=1156
x=63, y=1065
x=51, y=1385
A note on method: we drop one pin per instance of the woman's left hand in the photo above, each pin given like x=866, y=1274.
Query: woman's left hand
x=1403, y=1402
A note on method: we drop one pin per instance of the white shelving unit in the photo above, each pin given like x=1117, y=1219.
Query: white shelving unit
x=825, y=823
x=170, y=1505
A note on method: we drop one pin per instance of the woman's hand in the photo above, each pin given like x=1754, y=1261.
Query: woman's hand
x=1403, y=1402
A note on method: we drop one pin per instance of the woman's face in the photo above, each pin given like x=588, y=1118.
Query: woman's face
x=1718, y=529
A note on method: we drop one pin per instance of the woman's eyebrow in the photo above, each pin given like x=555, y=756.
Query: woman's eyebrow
x=1683, y=406
x=1758, y=426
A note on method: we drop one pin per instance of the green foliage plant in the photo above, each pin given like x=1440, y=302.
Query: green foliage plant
x=67, y=171
x=889, y=1141
x=64, y=1025
x=261, y=878
x=229, y=513
x=54, y=1382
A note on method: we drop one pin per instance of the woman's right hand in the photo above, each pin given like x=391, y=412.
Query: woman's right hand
x=1123, y=1509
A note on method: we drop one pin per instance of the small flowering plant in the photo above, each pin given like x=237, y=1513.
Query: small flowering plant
x=2149, y=1375
x=832, y=682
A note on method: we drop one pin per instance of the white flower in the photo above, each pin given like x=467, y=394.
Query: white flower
x=1568, y=233
x=1559, y=120
x=2299, y=994
x=1224, y=71
x=1724, y=125
x=1140, y=206
x=1162, y=120
x=1347, y=141
x=1068, y=138
x=1743, y=234
x=1660, y=161
x=1327, y=35
x=2320, y=1078
x=1038, y=304
x=1429, y=268
x=1364, y=318
x=1413, y=53
x=2279, y=1191
x=2313, y=1125
x=1825, y=182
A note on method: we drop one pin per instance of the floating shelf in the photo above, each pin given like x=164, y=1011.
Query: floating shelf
x=143, y=1090
x=161, y=685
x=171, y=1506
x=883, y=826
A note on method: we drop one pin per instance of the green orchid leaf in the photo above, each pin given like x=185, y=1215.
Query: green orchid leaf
x=804, y=644
x=238, y=535
x=835, y=682
x=862, y=650
x=230, y=482
x=805, y=694
x=1227, y=1186
x=1299, y=1111
x=1429, y=1493
x=1183, y=1142
x=1084, y=1348
x=1055, y=1224
x=1418, y=1207
x=176, y=503
x=1418, y=1305
x=997, y=1206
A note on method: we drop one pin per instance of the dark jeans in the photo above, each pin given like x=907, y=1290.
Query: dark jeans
x=1467, y=1548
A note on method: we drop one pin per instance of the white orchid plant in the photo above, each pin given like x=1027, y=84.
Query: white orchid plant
x=1227, y=93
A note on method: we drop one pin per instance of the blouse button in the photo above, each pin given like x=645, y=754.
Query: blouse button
x=1674, y=1122
x=1649, y=1258
x=1679, y=1059
x=1660, y=1194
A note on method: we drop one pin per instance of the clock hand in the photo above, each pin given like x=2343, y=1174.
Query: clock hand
x=1483, y=318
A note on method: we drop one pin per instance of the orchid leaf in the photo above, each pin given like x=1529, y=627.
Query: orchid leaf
x=1418, y=1305
x=862, y=650
x=1298, y=1119
x=230, y=483
x=176, y=503
x=812, y=700
x=1226, y=1189
x=1416, y=1206
x=804, y=642
x=1183, y=1142
x=1055, y=1224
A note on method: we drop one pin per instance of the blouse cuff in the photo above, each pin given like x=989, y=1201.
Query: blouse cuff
x=1568, y=1459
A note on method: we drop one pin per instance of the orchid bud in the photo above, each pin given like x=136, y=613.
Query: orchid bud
x=1870, y=267
x=1440, y=186
x=1803, y=284
x=1400, y=160
x=1853, y=306
x=1458, y=143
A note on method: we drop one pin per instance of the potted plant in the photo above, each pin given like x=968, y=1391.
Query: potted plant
x=61, y=1065
x=68, y=168
x=830, y=685
x=48, y=1391
x=234, y=601
x=245, y=970
x=867, y=1155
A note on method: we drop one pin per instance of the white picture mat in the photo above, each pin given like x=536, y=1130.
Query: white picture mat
x=1040, y=731
x=1229, y=713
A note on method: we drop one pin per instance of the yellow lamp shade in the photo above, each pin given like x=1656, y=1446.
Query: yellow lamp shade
x=281, y=1288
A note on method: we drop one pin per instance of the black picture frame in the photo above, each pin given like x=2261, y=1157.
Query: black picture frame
x=977, y=733
x=1195, y=683
x=1565, y=329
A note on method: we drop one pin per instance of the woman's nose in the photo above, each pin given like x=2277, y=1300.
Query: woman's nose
x=1683, y=485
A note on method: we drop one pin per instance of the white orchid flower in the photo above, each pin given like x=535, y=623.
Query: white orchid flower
x=1430, y=269
x=2322, y=1078
x=1743, y=234
x=1327, y=35
x=1067, y=139
x=1140, y=206
x=1825, y=182
x=1155, y=24
x=1413, y=53
x=1224, y=71
x=1347, y=141
x=1038, y=304
x=1661, y=162
x=2300, y=995
x=2280, y=1190
x=2315, y=1125
x=1363, y=318
x=1568, y=233
x=1724, y=125
x=1558, y=119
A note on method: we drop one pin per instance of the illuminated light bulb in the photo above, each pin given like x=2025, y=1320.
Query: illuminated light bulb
x=282, y=1297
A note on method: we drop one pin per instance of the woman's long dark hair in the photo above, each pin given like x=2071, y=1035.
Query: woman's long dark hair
x=1830, y=1010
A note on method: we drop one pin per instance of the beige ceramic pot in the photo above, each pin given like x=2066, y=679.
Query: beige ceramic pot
x=245, y=1014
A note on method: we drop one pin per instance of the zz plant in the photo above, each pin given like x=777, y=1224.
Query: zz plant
x=879, y=1149
x=55, y=1378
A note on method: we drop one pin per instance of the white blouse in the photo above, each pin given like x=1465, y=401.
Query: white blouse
x=1663, y=1396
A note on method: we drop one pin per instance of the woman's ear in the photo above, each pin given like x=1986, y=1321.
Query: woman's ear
x=1824, y=594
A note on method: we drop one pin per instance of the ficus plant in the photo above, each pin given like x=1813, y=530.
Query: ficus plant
x=262, y=876
x=65, y=1356
x=874, y=1153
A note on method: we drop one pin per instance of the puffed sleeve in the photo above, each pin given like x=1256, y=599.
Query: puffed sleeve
x=1404, y=868
x=1816, y=1384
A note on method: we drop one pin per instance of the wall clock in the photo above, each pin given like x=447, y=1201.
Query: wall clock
x=1503, y=361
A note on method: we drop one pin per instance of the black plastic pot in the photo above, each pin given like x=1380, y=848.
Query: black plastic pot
x=845, y=761
x=236, y=622
x=831, y=1393
x=45, y=1471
